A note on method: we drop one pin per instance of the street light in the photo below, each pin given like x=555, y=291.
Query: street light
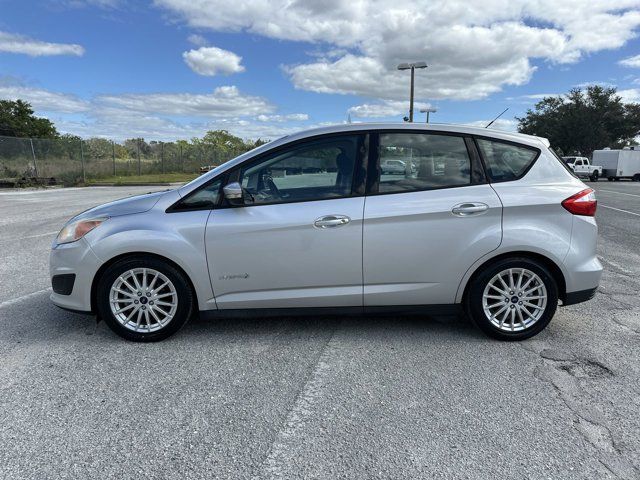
x=427, y=111
x=412, y=67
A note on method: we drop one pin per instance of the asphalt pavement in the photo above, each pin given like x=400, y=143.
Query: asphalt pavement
x=327, y=397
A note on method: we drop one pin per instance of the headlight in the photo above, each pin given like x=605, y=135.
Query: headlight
x=74, y=231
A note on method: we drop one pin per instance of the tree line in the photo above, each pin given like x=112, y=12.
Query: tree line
x=17, y=119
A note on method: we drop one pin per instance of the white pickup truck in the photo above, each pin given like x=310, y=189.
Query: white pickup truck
x=583, y=168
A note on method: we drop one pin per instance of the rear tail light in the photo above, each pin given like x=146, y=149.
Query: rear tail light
x=582, y=203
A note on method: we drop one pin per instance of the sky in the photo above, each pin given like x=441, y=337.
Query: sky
x=173, y=69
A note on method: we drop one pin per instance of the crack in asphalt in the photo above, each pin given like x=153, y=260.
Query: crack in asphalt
x=612, y=296
x=562, y=371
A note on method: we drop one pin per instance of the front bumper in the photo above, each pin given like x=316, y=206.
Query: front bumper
x=77, y=259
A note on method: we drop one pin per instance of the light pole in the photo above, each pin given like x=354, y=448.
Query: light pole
x=428, y=111
x=412, y=67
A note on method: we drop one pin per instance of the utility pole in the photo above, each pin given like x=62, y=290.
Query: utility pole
x=113, y=156
x=84, y=172
x=412, y=67
x=33, y=154
x=138, y=153
x=162, y=156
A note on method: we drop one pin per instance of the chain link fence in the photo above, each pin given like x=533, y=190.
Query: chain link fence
x=70, y=160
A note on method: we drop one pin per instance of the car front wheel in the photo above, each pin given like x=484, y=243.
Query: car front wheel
x=144, y=299
x=513, y=299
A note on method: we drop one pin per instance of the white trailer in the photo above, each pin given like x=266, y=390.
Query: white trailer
x=617, y=164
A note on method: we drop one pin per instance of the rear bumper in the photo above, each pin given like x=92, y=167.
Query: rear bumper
x=578, y=297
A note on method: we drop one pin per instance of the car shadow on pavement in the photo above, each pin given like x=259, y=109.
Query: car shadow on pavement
x=37, y=320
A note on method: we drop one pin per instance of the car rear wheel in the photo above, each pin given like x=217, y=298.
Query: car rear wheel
x=144, y=299
x=513, y=299
x=594, y=176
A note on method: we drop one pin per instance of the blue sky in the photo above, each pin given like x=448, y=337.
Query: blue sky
x=176, y=68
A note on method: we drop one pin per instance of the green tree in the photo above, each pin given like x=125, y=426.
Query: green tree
x=223, y=141
x=134, y=144
x=17, y=120
x=583, y=121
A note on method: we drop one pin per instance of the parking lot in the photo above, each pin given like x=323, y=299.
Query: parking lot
x=383, y=397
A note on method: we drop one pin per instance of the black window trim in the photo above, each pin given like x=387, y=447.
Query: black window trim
x=232, y=174
x=370, y=163
x=477, y=171
x=177, y=206
x=508, y=142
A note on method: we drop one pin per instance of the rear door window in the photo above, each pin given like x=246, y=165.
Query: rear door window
x=411, y=161
x=506, y=161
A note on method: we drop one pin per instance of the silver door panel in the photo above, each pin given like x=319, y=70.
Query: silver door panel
x=416, y=249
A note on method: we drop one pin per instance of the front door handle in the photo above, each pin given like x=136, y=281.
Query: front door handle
x=467, y=209
x=331, y=221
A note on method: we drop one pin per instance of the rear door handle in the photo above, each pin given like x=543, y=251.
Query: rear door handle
x=331, y=221
x=468, y=209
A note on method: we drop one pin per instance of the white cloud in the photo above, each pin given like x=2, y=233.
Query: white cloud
x=197, y=40
x=598, y=83
x=211, y=61
x=630, y=95
x=505, y=124
x=633, y=62
x=224, y=101
x=122, y=124
x=157, y=116
x=389, y=108
x=283, y=118
x=44, y=100
x=473, y=48
x=92, y=3
x=13, y=43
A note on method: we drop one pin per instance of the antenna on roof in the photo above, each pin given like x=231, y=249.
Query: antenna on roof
x=349, y=117
x=491, y=122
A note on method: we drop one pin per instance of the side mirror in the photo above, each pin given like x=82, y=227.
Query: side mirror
x=233, y=193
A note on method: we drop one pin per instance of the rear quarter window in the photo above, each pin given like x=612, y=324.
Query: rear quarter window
x=506, y=161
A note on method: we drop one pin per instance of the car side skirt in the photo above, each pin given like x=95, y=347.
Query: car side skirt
x=448, y=309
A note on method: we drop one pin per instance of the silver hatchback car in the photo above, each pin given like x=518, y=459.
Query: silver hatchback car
x=489, y=223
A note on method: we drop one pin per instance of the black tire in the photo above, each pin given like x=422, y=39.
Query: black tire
x=636, y=177
x=185, y=298
x=617, y=179
x=610, y=179
x=474, y=304
x=594, y=176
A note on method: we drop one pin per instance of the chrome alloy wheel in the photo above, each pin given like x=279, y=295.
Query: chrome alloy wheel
x=514, y=299
x=143, y=300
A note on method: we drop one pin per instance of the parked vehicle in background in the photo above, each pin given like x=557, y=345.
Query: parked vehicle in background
x=393, y=167
x=583, y=168
x=619, y=164
x=490, y=223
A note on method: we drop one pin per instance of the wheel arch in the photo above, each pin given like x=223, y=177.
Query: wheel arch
x=117, y=258
x=552, y=266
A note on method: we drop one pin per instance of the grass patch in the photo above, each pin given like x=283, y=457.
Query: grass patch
x=150, y=178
